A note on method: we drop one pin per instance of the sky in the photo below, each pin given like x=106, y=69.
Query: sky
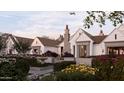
x=45, y=23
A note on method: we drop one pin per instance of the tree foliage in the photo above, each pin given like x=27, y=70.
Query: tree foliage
x=2, y=44
x=101, y=17
x=22, y=47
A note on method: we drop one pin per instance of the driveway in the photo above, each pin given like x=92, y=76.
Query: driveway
x=39, y=71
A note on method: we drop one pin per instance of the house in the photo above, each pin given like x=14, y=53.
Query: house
x=80, y=44
x=41, y=45
x=83, y=44
x=12, y=40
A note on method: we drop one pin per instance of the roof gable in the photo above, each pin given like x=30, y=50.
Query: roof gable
x=119, y=32
x=49, y=42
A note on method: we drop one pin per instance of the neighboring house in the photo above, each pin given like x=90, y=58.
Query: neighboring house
x=41, y=45
x=13, y=40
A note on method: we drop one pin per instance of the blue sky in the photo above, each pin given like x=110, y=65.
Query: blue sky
x=45, y=23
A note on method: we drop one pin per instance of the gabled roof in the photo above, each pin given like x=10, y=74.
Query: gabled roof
x=23, y=39
x=49, y=42
x=96, y=39
x=17, y=39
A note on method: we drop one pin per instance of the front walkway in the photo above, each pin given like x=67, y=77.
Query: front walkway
x=35, y=72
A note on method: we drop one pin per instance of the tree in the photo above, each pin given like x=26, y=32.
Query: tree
x=22, y=47
x=2, y=43
x=101, y=17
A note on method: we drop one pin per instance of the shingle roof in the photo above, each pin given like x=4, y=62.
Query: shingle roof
x=49, y=42
x=25, y=40
x=96, y=39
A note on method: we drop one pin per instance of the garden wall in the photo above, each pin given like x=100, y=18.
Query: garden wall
x=86, y=61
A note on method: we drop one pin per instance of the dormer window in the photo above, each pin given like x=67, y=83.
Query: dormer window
x=115, y=36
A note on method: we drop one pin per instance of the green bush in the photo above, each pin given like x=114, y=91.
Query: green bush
x=74, y=76
x=13, y=71
x=62, y=65
x=32, y=62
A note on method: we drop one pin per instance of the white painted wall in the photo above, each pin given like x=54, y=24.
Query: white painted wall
x=73, y=41
x=37, y=42
x=99, y=49
x=84, y=37
x=43, y=48
x=10, y=45
x=120, y=35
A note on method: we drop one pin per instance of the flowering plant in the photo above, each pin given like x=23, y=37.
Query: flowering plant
x=79, y=68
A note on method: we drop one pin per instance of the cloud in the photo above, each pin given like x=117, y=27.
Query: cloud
x=51, y=24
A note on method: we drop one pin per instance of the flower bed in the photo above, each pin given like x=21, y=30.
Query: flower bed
x=79, y=68
x=73, y=73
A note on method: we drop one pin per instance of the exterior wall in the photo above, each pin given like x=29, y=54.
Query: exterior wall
x=99, y=49
x=43, y=49
x=10, y=46
x=120, y=35
x=36, y=43
x=84, y=37
x=73, y=41
x=111, y=38
x=86, y=61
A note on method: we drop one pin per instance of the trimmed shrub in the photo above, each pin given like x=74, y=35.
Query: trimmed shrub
x=32, y=62
x=66, y=54
x=50, y=54
x=14, y=71
x=62, y=65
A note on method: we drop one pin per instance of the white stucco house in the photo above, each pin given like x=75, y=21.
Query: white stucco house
x=80, y=44
x=12, y=40
x=41, y=45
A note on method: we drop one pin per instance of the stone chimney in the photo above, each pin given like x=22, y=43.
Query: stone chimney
x=66, y=40
x=101, y=33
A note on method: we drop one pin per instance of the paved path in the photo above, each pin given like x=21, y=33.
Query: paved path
x=39, y=71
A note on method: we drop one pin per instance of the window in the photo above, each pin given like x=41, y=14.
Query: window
x=115, y=36
x=61, y=51
x=82, y=51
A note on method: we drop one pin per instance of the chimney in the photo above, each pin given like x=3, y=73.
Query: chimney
x=66, y=40
x=101, y=33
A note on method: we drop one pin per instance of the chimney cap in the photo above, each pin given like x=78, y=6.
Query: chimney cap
x=101, y=33
x=66, y=27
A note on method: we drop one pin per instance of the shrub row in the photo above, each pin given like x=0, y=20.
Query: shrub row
x=14, y=71
x=32, y=62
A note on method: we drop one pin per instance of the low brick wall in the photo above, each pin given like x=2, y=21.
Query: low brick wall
x=86, y=61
